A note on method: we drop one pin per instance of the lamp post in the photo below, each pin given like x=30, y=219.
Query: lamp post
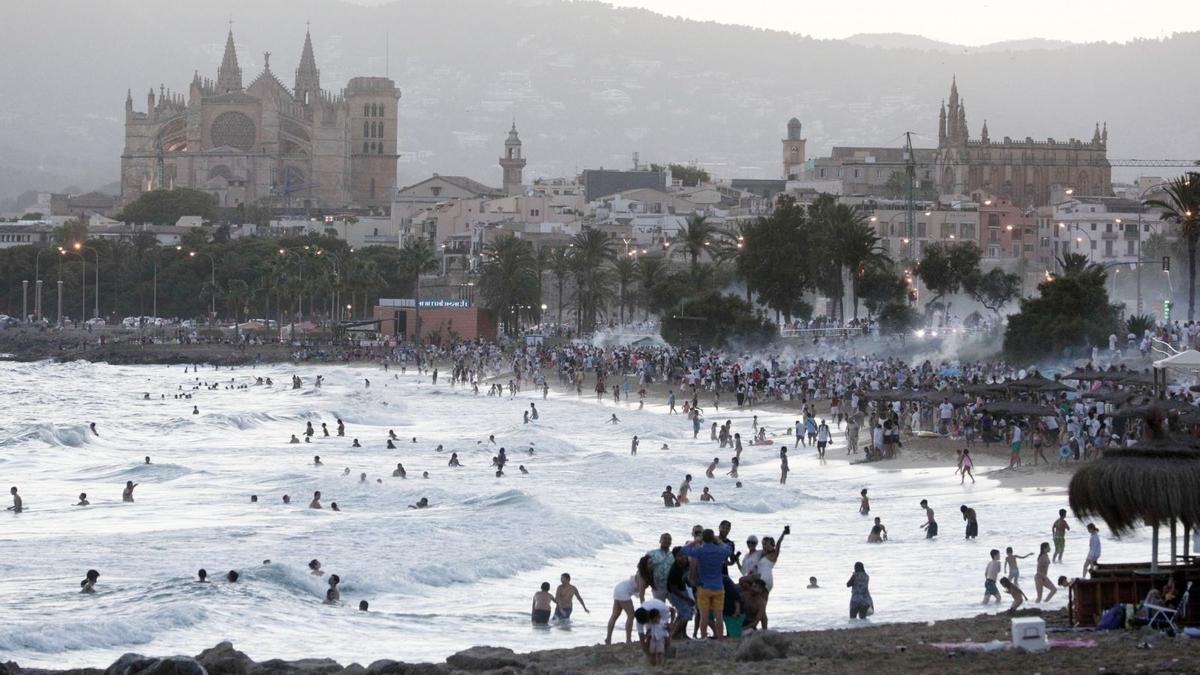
x=78, y=246
x=37, y=297
x=24, y=300
x=82, y=286
x=1142, y=208
x=60, y=287
x=212, y=280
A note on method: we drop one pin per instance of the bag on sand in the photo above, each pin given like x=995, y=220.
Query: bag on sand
x=1112, y=619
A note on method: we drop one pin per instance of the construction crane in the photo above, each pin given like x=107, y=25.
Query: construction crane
x=909, y=160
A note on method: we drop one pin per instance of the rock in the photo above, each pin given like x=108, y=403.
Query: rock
x=136, y=664
x=390, y=667
x=762, y=646
x=301, y=667
x=223, y=659
x=486, y=658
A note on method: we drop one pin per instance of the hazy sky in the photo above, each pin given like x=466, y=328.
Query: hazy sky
x=963, y=22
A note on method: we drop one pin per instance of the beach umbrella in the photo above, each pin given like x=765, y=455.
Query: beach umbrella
x=1146, y=406
x=1036, y=382
x=983, y=389
x=1110, y=395
x=936, y=397
x=1086, y=375
x=1018, y=408
x=1153, y=482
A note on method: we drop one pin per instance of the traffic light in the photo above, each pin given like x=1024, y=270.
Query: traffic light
x=1167, y=310
x=1166, y=263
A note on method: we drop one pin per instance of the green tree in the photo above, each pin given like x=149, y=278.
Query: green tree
x=625, y=269
x=1071, y=312
x=879, y=287
x=688, y=176
x=71, y=232
x=416, y=258
x=993, y=290
x=508, y=282
x=591, y=251
x=945, y=267
x=1180, y=204
x=166, y=207
x=695, y=239
x=773, y=254
x=560, y=267
x=715, y=320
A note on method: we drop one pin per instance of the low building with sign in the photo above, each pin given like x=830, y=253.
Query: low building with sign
x=441, y=320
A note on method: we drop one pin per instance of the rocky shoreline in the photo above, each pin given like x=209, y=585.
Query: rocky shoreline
x=29, y=345
x=900, y=647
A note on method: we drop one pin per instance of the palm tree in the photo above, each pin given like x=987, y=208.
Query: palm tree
x=591, y=251
x=508, y=281
x=1181, y=205
x=560, y=267
x=696, y=238
x=859, y=249
x=650, y=272
x=626, y=270
x=416, y=258
x=844, y=240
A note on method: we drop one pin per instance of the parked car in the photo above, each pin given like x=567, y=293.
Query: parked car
x=95, y=322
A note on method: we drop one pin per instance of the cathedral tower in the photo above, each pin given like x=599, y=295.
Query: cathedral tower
x=308, y=78
x=512, y=162
x=229, y=75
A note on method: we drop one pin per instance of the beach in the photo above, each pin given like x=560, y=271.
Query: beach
x=461, y=572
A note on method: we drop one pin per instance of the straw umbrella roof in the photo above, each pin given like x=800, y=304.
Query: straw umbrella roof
x=1152, y=482
x=1018, y=408
x=1111, y=395
x=954, y=398
x=1087, y=375
x=1039, y=383
x=1147, y=408
x=984, y=389
x=893, y=395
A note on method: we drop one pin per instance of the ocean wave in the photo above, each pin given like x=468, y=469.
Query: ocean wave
x=766, y=502
x=93, y=633
x=154, y=472
x=74, y=436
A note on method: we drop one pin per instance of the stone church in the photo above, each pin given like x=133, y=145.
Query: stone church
x=264, y=142
x=1022, y=171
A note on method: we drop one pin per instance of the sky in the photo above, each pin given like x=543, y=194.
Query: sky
x=966, y=22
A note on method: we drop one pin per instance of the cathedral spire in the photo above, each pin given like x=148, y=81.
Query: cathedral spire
x=229, y=75
x=983, y=136
x=308, y=78
x=942, y=125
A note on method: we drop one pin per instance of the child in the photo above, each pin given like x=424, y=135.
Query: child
x=1015, y=591
x=1010, y=564
x=864, y=506
x=658, y=638
x=990, y=574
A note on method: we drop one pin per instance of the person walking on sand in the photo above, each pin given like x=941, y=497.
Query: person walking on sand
x=1041, y=580
x=930, y=526
x=990, y=574
x=965, y=466
x=968, y=515
x=1093, y=555
x=1058, y=532
x=861, y=605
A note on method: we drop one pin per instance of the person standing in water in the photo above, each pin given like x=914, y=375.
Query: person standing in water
x=966, y=464
x=684, y=488
x=864, y=506
x=1058, y=532
x=316, y=500
x=88, y=585
x=930, y=526
x=712, y=467
x=127, y=494
x=17, y=506
x=968, y=515
x=1041, y=580
x=878, y=533
x=861, y=605
x=1010, y=564
x=633, y=446
x=783, y=466
x=83, y=500
x=990, y=574
x=564, y=596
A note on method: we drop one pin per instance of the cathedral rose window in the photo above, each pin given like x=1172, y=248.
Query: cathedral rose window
x=233, y=129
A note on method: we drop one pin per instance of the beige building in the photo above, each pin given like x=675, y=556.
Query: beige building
x=265, y=142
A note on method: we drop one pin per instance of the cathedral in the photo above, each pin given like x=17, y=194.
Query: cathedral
x=1020, y=170
x=264, y=142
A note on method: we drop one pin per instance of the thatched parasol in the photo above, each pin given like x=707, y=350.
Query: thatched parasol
x=1017, y=408
x=936, y=397
x=1110, y=395
x=1036, y=382
x=983, y=389
x=1147, y=406
x=1086, y=375
x=1133, y=379
x=1154, y=482
x=892, y=395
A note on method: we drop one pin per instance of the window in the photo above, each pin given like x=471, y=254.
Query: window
x=366, y=129
x=856, y=173
x=364, y=146
x=1093, y=247
x=921, y=230
x=967, y=231
x=1129, y=247
x=366, y=111
x=822, y=173
x=993, y=251
x=372, y=188
x=1108, y=227
x=993, y=220
x=947, y=230
x=839, y=173
x=1093, y=227
x=1108, y=248
x=993, y=235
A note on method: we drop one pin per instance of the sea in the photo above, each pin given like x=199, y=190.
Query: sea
x=459, y=573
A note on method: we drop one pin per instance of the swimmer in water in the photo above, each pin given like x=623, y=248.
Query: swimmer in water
x=391, y=445
x=669, y=499
x=355, y=444
x=706, y=496
x=454, y=459
x=294, y=439
x=325, y=429
x=812, y=583
x=195, y=410
x=499, y=473
x=522, y=468
x=147, y=459
x=424, y=474
x=287, y=499
x=232, y=576
x=253, y=499
x=492, y=439
x=92, y=426
x=316, y=500
x=613, y=419
x=127, y=494
x=392, y=435
x=314, y=566
x=422, y=503
x=362, y=477
x=399, y=472
x=346, y=471
x=317, y=460
x=363, y=605
x=438, y=448
x=333, y=595
x=684, y=488
x=665, y=447
x=83, y=500
x=202, y=576
x=88, y=585
x=334, y=507
x=712, y=467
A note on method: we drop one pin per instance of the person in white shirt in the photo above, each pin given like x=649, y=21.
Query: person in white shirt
x=748, y=562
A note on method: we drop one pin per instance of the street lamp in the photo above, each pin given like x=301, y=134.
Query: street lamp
x=212, y=280
x=82, y=284
x=79, y=247
x=37, y=300
x=154, y=291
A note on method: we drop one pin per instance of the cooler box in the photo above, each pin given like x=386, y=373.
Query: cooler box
x=1029, y=633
